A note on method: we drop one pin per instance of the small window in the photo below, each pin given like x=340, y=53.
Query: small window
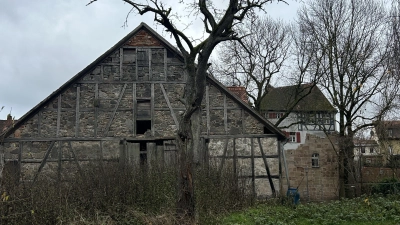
x=142, y=126
x=315, y=160
x=371, y=150
x=362, y=149
x=292, y=137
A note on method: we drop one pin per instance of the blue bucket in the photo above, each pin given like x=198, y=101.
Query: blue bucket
x=292, y=193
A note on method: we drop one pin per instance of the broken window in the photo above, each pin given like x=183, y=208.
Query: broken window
x=143, y=116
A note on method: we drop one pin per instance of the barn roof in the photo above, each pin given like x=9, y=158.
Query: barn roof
x=272, y=129
x=281, y=98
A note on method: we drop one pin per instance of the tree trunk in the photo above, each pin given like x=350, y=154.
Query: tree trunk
x=189, y=141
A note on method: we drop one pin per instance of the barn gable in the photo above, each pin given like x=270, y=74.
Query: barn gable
x=127, y=103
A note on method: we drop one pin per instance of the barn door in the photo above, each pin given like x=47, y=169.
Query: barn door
x=170, y=152
x=132, y=155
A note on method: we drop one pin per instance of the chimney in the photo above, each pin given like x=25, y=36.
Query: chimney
x=240, y=92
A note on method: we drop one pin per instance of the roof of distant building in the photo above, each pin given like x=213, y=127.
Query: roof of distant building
x=282, y=98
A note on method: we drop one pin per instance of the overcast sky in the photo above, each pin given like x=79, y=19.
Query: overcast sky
x=44, y=43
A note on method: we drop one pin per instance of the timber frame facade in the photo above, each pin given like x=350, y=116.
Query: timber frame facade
x=126, y=106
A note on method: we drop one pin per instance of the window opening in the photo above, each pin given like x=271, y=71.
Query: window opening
x=371, y=150
x=315, y=160
x=292, y=136
x=362, y=149
x=142, y=126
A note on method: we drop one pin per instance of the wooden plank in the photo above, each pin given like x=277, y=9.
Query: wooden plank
x=133, y=154
x=152, y=110
x=115, y=110
x=43, y=162
x=134, y=104
x=77, y=115
x=58, y=116
x=169, y=105
x=208, y=108
x=225, y=116
x=266, y=167
x=223, y=155
x=123, y=153
x=96, y=108
x=253, y=182
x=151, y=153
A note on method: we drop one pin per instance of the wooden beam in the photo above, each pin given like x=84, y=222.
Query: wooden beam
x=223, y=136
x=150, y=71
x=165, y=64
x=234, y=158
x=44, y=160
x=246, y=157
x=77, y=115
x=152, y=110
x=253, y=183
x=115, y=111
x=121, y=59
x=58, y=115
x=136, y=64
x=59, y=160
x=134, y=107
x=225, y=116
x=223, y=155
x=208, y=108
x=169, y=105
x=266, y=167
x=76, y=159
x=96, y=107
x=21, y=144
x=39, y=127
x=11, y=140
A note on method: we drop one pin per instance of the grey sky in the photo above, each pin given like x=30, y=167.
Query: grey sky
x=44, y=43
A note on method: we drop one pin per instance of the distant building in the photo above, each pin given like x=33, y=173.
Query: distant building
x=313, y=114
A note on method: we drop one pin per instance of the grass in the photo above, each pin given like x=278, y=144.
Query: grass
x=364, y=210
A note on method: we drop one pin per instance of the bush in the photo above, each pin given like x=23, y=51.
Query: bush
x=105, y=193
x=386, y=186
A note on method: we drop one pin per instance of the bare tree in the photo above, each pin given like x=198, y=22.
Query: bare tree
x=219, y=25
x=252, y=65
x=350, y=38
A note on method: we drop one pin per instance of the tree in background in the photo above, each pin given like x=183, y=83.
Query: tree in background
x=349, y=38
x=219, y=25
x=254, y=62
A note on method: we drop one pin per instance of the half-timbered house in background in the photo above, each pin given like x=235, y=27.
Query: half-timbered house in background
x=126, y=106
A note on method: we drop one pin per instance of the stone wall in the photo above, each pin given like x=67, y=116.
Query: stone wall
x=314, y=183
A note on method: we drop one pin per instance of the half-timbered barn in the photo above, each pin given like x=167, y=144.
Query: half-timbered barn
x=126, y=106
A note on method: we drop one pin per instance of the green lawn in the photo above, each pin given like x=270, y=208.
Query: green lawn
x=363, y=210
